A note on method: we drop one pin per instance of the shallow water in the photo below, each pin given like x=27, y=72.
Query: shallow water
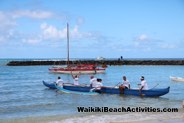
x=22, y=94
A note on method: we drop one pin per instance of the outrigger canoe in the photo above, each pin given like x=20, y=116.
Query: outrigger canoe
x=112, y=90
x=49, y=85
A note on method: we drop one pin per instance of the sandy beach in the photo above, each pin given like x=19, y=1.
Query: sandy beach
x=128, y=118
x=177, y=117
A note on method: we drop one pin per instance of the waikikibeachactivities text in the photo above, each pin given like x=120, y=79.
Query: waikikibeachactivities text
x=125, y=109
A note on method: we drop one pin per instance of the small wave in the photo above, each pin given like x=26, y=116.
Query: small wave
x=128, y=117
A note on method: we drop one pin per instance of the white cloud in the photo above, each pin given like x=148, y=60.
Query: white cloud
x=48, y=32
x=8, y=19
x=8, y=22
x=139, y=40
x=168, y=46
x=52, y=33
x=2, y=38
x=80, y=20
x=142, y=41
x=142, y=37
x=31, y=41
x=146, y=42
x=76, y=34
x=37, y=14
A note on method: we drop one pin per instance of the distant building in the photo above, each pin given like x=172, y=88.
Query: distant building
x=100, y=58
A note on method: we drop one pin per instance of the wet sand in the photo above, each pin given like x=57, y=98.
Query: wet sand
x=176, y=117
x=129, y=118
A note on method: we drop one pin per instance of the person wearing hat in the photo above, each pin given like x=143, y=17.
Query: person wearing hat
x=144, y=85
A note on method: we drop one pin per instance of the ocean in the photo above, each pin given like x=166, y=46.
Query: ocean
x=24, y=98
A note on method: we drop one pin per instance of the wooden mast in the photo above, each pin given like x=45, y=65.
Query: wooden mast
x=68, y=45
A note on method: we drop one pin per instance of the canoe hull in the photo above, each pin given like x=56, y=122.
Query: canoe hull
x=78, y=88
x=136, y=92
x=49, y=85
x=62, y=89
x=112, y=90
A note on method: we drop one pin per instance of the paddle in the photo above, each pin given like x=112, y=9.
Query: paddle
x=155, y=85
x=117, y=84
x=138, y=85
x=91, y=90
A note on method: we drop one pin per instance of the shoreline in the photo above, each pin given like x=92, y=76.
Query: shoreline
x=105, y=118
x=102, y=62
x=131, y=117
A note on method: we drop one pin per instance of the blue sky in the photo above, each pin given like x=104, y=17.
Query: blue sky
x=108, y=28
